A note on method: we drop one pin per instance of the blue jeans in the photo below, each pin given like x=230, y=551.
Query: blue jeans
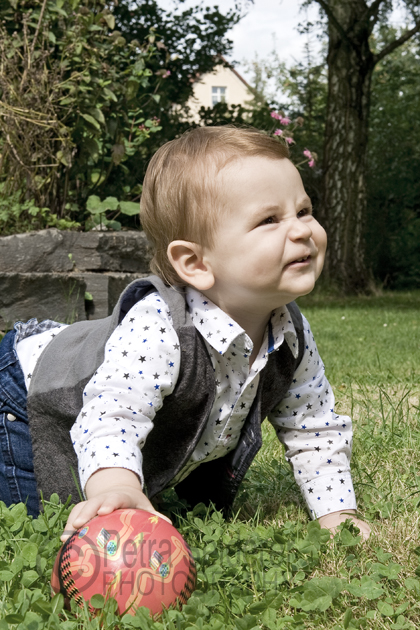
x=17, y=478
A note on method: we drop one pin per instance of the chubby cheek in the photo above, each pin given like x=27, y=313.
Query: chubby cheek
x=321, y=243
x=267, y=260
x=322, y=239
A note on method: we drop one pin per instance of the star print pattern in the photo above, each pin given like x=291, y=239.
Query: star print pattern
x=141, y=366
x=94, y=432
x=236, y=385
x=318, y=441
x=142, y=357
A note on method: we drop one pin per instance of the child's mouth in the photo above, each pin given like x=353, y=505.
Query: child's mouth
x=300, y=260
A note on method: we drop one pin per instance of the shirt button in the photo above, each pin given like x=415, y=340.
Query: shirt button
x=11, y=417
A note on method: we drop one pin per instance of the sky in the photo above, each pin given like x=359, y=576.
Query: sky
x=265, y=19
x=254, y=33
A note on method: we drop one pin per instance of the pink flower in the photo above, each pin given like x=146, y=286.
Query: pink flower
x=311, y=163
x=278, y=132
x=166, y=75
x=307, y=154
x=283, y=119
x=289, y=140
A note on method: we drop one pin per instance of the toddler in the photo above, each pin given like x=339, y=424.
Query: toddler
x=171, y=389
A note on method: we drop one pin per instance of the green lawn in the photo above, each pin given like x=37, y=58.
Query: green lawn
x=269, y=567
x=372, y=340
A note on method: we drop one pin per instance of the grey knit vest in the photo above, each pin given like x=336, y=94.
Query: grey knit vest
x=55, y=398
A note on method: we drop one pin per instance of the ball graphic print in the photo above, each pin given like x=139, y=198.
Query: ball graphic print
x=134, y=556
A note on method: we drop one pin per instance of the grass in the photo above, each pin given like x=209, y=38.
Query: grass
x=269, y=567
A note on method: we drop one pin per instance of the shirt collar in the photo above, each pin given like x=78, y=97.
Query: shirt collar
x=221, y=331
x=283, y=329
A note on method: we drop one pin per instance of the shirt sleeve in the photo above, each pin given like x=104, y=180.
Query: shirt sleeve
x=141, y=367
x=318, y=441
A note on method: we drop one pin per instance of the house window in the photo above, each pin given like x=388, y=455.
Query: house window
x=218, y=95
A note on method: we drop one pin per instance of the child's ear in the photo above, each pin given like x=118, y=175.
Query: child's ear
x=189, y=262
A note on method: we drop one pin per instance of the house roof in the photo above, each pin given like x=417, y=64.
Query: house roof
x=229, y=65
x=240, y=77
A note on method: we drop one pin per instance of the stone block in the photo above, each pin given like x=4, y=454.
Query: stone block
x=41, y=295
x=105, y=289
x=42, y=252
x=125, y=251
x=55, y=251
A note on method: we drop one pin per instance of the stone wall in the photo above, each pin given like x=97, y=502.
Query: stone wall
x=46, y=274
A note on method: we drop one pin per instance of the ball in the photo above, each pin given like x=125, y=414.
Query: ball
x=134, y=556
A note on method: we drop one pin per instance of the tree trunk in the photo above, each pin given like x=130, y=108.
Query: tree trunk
x=350, y=66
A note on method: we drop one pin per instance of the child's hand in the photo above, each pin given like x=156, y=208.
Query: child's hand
x=333, y=520
x=107, y=490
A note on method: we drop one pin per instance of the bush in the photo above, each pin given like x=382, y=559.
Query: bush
x=72, y=90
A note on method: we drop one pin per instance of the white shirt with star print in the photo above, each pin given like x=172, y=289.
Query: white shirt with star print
x=141, y=367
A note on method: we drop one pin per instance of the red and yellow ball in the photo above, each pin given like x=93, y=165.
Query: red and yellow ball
x=134, y=556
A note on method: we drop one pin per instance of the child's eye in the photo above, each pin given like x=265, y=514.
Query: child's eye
x=269, y=220
x=304, y=212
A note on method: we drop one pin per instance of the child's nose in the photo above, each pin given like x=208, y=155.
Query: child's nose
x=300, y=230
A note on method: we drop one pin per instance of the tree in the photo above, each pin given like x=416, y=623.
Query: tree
x=71, y=96
x=351, y=61
x=393, y=211
x=190, y=42
x=85, y=86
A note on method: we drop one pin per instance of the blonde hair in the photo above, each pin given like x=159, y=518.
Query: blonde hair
x=180, y=198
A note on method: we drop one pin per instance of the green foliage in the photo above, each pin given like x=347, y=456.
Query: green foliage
x=265, y=119
x=250, y=575
x=26, y=549
x=24, y=216
x=72, y=90
x=300, y=90
x=98, y=212
x=189, y=43
x=83, y=87
x=393, y=227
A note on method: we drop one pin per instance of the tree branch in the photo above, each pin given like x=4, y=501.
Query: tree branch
x=38, y=26
x=396, y=43
x=373, y=8
x=334, y=21
x=372, y=12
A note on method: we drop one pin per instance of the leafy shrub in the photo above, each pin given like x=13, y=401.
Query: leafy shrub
x=72, y=90
x=98, y=212
x=25, y=216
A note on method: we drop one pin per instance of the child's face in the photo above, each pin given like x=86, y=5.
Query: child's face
x=268, y=247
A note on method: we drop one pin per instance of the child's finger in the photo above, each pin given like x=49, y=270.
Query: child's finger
x=365, y=529
x=70, y=525
x=102, y=505
x=122, y=501
x=89, y=510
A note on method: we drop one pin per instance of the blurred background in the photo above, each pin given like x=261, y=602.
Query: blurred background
x=90, y=89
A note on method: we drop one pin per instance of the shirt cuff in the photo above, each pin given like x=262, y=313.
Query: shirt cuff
x=327, y=494
x=103, y=454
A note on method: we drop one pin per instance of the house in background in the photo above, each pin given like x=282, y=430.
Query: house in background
x=223, y=85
